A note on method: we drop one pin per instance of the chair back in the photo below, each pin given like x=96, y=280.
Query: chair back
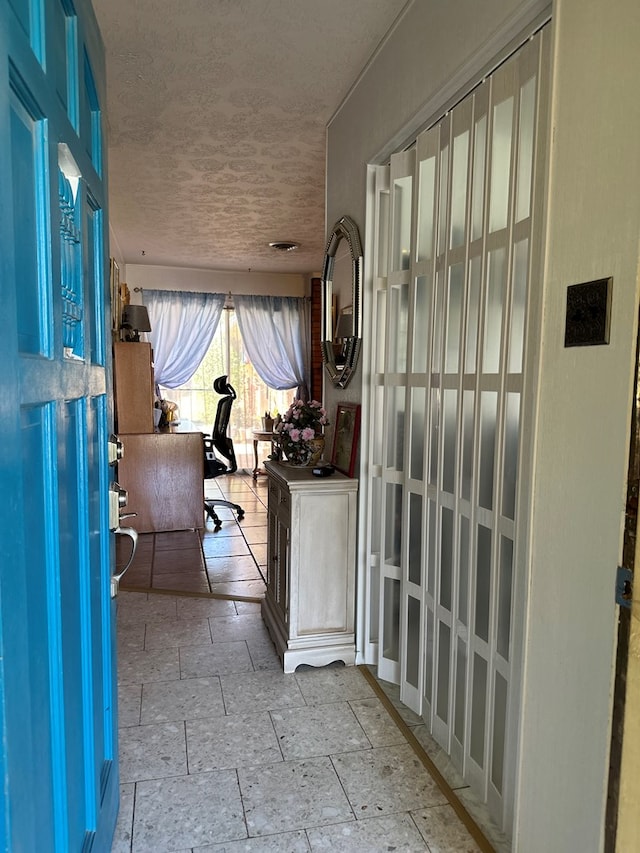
x=219, y=437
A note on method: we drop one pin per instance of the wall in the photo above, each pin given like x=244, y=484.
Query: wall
x=425, y=65
x=213, y=281
x=583, y=429
x=581, y=435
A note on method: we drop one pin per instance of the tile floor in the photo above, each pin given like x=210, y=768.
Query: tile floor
x=221, y=751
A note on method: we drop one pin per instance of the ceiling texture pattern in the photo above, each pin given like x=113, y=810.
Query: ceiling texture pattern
x=217, y=114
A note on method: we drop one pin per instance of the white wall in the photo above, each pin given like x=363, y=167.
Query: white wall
x=583, y=430
x=212, y=281
x=584, y=393
x=435, y=51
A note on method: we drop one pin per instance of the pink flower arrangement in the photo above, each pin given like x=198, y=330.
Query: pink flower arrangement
x=300, y=424
x=303, y=421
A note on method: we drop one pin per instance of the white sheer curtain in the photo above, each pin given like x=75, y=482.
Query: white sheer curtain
x=182, y=327
x=276, y=333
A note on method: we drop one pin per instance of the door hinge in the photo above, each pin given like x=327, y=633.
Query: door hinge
x=624, y=587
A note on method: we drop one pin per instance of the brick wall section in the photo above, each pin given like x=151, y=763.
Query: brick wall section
x=317, y=371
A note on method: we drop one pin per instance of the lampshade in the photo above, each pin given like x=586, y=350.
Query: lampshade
x=136, y=317
x=344, y=326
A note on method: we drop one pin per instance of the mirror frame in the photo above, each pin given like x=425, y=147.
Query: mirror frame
x=344, y=229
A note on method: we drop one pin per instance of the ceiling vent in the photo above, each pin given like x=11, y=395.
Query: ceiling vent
x=284, y=246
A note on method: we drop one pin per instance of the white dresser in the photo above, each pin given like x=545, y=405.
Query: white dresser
x=309, y=606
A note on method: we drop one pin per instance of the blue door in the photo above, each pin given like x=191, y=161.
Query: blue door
x=58, y=750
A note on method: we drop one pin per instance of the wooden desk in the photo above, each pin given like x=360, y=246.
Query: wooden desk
x=163, y=475
x=260, y=435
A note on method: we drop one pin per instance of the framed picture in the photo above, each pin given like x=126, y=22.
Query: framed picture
x=345, y=438
x=114, y=274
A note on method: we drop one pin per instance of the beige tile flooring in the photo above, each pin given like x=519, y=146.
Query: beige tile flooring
x=221, y=751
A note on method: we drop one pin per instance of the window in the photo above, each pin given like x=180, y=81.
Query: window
x=197, y=401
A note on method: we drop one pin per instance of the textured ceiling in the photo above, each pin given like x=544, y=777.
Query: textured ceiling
x=217, y=112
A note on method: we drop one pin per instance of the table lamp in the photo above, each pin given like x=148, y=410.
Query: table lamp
x=135, y=319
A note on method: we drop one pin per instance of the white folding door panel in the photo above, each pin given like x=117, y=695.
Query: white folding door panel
x=373, y=408
x=393, y=492
x=449, y=421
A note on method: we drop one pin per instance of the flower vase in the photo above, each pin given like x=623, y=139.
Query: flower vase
x=303, y=454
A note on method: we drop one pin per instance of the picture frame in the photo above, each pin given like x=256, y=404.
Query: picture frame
x=114, y=284
x=345, y=438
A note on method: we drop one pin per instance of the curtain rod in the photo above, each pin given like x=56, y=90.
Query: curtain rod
x=229, y=294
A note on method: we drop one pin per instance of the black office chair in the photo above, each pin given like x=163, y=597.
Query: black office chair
x=220, y=441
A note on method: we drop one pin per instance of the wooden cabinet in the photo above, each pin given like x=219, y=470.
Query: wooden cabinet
x=309, y=606
x=133, y=387
x=163, y=476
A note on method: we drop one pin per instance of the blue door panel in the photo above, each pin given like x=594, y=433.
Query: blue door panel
x=90, y=118
x=58, y=41
x=71, y=616
x=28, y=710
x=94, y=297
x=99, y=591
x=27, y=150
x=58, y=737
x=21, y=10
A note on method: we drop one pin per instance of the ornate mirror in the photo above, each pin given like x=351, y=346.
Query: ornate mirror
x=341, y=372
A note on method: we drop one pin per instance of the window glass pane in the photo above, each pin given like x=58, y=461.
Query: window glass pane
x=438, y=322
x=525, y=148
x=483, y=582
x=378, y=409
x=488, y=409
x=454, y=316
x=376, y=512
x=425, y=210
x=478, y=709
x=413, y=640
x=391, y=625
x=499, y=731
x=402, y=188
x=446, y=558
x=461, y=677
x=459, y=188
x=434, y=429
x=444, y=651
x=395, y=428
x=500, y=164
x=463, y=562
x=380, y=332
x=478, y=199
x=421, y=323
x=431, y=551
x=428, y=669
x=442, y=219
x=473, y=315
x=510, y=461
x=504, y=597
x=383, y=230
x=398, y=317
x=415, y=539
x=374, y=603
x=468, y=399
x=493, y=311
x=450, y=401
x=518, y=305
x=418, y=431
x=393, y=528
